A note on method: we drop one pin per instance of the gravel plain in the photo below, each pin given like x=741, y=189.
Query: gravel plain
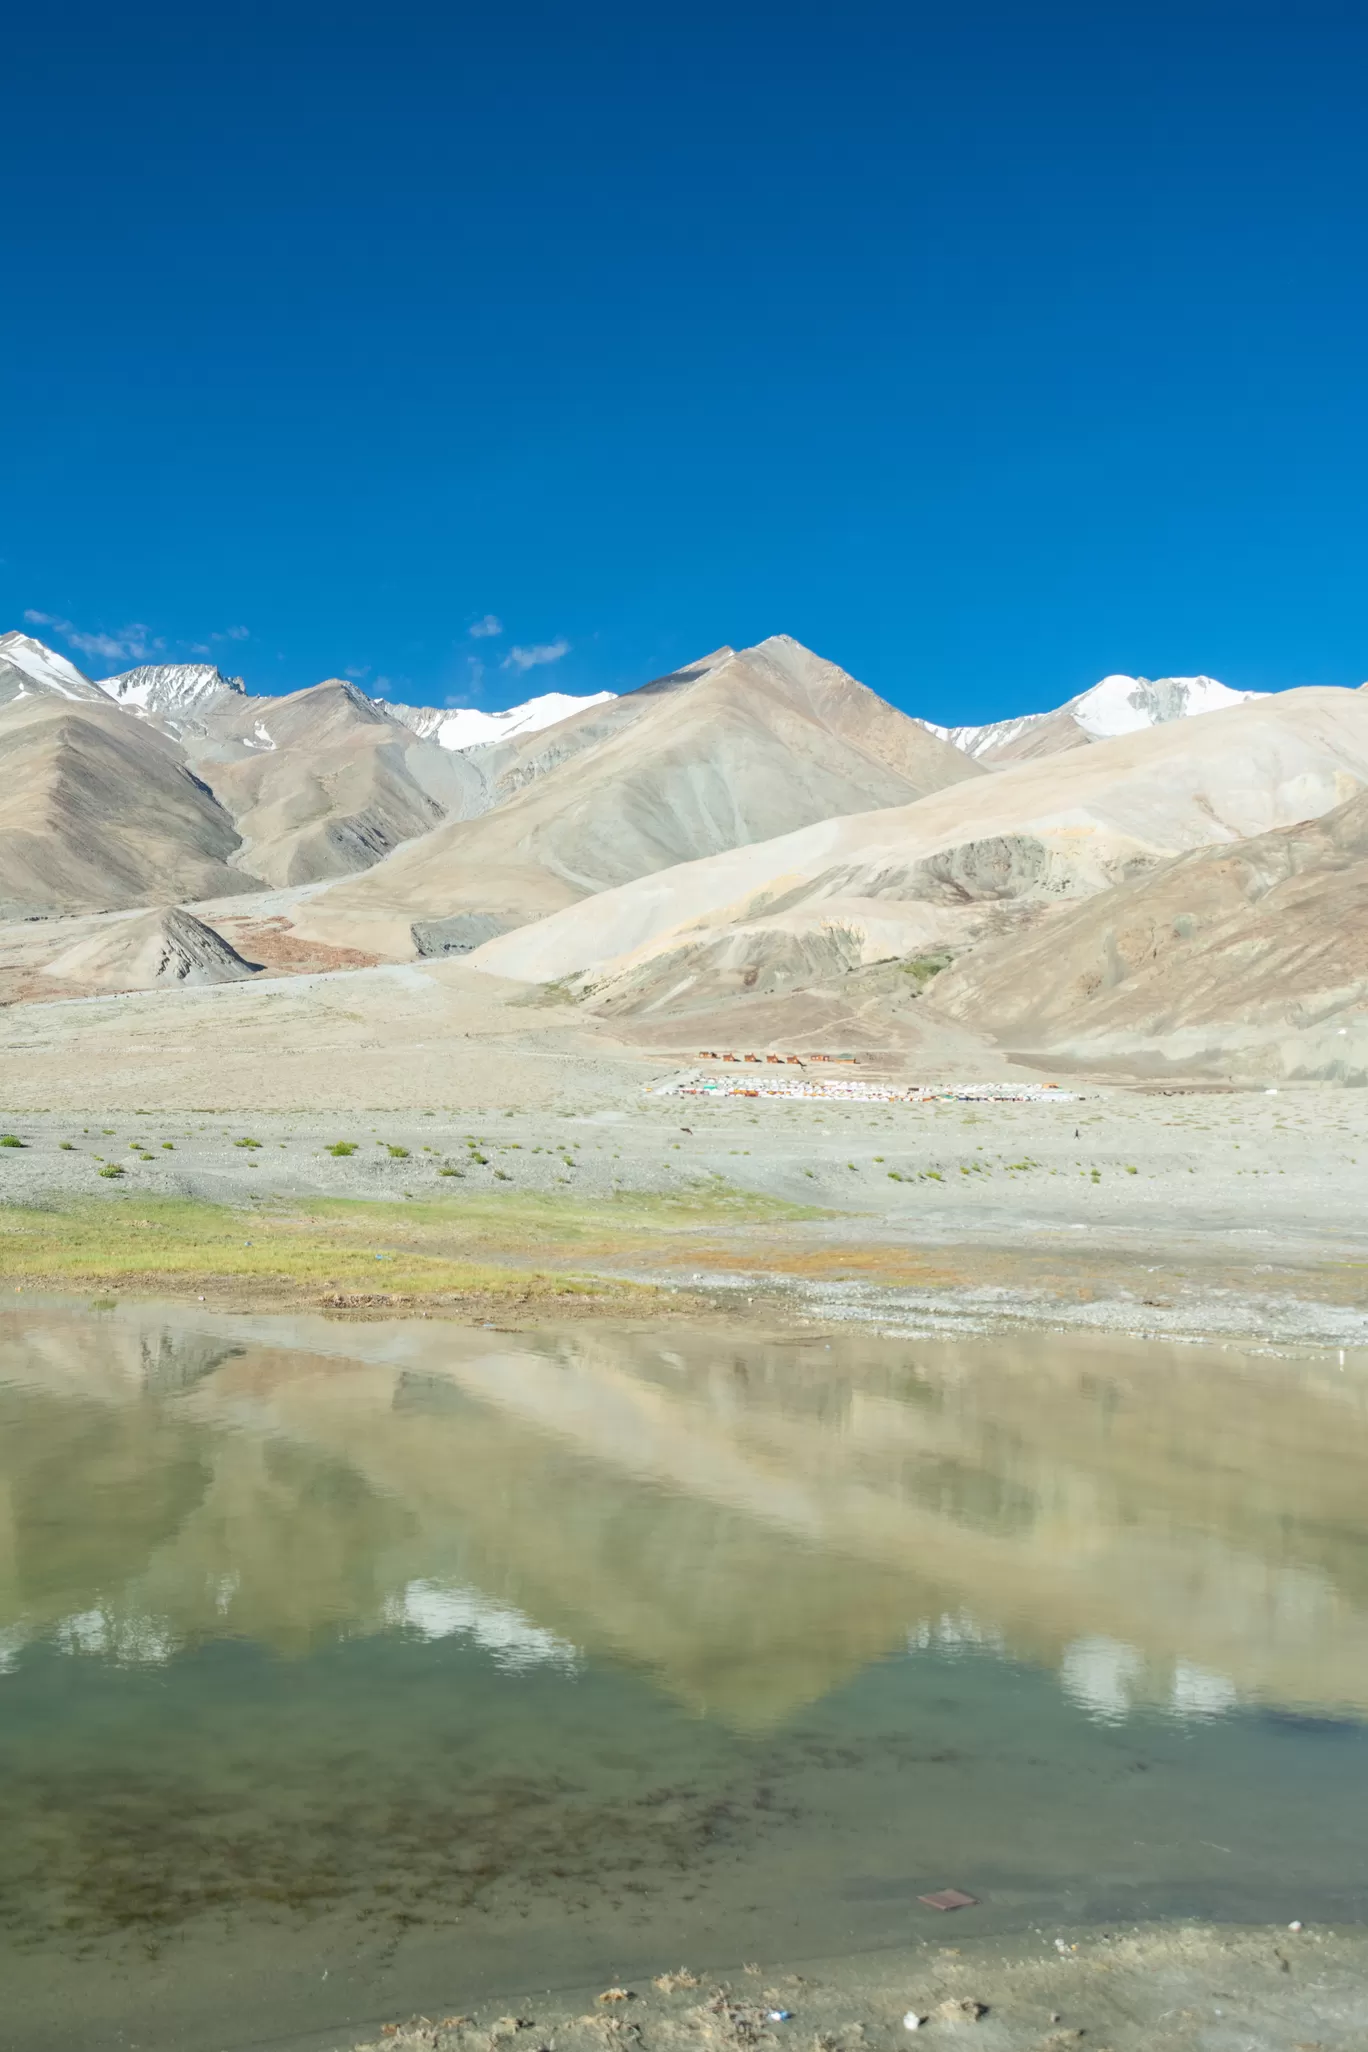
x=1194, y=1211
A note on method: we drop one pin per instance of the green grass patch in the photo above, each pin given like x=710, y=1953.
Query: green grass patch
x=440, y=1248
x=162, y=1241
x=922, y=968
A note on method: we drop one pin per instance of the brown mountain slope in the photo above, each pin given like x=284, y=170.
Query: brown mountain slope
x=945, y=870
x=98, y=812
x=321, y=783
x=1248, y=960
x=733, y=750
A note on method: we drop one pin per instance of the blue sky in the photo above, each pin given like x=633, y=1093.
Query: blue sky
x=984, y=348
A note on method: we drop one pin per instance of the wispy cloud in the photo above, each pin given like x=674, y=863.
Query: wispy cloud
x=135, y=643
x=483, y=630
x=356, y=671
x=131, y=644
x=540, y=652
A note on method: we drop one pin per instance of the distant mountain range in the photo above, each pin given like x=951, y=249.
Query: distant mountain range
x=1116, y=705
x=1159, y=872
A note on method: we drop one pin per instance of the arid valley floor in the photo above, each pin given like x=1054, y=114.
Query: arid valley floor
x=460, y=1119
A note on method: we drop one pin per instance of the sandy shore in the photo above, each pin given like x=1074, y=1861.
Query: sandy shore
x=1153, y=1989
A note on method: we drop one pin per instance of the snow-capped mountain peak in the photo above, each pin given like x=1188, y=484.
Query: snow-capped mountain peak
x=1122, y=705
x=466, y=727
x=1116, y=705
x=161, y=688
x=43, y=670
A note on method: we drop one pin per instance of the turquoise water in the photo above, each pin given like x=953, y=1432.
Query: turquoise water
x=347, y=1671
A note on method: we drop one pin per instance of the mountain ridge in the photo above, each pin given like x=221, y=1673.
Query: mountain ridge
x=1115, y=705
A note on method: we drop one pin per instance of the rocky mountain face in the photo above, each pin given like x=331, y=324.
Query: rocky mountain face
x=301, y=788
x=736, y=748
x=171, y=689
x=1231, y=954
x=957, y=866
x=1117, y=705
x=98, y=812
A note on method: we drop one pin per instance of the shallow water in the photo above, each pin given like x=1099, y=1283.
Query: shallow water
x=347, y=1671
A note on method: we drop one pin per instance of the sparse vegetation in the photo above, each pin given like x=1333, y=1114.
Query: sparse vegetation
x=341, y=1147
x=326, y=1249
x=397, y=1153
x=11, y=1140
x=111, y=1168
x=246, y=1143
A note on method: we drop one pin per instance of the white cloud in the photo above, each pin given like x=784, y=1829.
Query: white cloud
x=540, y=652
x=490, y=625
x=234, y=634
x=134, y=643
x=356, y=671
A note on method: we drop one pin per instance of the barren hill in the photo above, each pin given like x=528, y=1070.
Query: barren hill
x=97, y=812
x=1248, y=958
x=948, y=869
x=730, y=751
x=323, y=783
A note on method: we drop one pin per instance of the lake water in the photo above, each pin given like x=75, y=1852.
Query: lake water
x=353, y=1670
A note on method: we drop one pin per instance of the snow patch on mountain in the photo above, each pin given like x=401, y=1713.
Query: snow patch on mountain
x=169, y=687
x=45, y=670
x=1123, y=705
x=1116, y=705
x=465, y=727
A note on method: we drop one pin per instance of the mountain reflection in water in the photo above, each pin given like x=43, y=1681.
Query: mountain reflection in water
x=749, y=1523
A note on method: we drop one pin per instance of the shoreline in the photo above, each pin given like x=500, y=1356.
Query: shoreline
x=1183, y=1987
x=719, y=1256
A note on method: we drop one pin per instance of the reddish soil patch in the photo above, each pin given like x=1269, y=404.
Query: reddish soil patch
x=273, y=944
